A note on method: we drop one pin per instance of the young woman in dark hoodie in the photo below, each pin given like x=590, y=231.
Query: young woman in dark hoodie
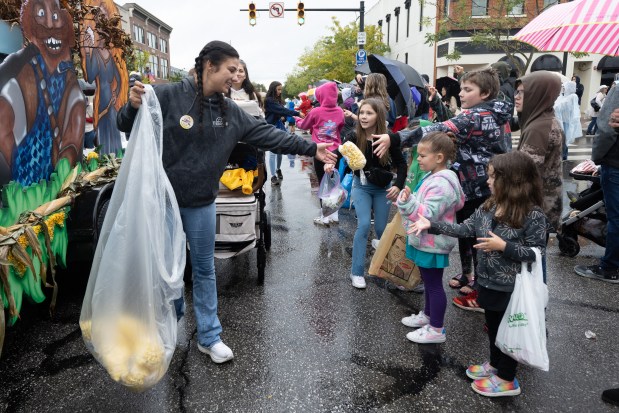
x=200, y=130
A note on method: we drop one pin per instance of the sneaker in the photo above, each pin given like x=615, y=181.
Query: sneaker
x=427, y=335
x=375, y=243
x=494, y=387
x=357, y=281
x=416, y=320
x=219, y=352
x=279, y=174
x=322, y=221
x=468, y=302
x=333, y=220
x=419, y=289
x=481, y=371
x=598, y=273
x=274, y=181
x=611, y=396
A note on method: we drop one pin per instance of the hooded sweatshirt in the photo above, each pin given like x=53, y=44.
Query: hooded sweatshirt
x=326, y=121
x=438, y=198
x=605, y=149
x=481, y=132
x=568, y=112
x=305, y=105
x=194, y=159
x=541, y=136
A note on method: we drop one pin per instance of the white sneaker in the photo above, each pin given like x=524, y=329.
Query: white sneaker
x=427, y=335
x=416, y=320
x=357, y=281
x=322, y=221
x=219, y=352
x=375, y=243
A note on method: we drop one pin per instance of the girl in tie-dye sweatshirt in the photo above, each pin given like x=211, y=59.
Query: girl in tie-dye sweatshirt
x=437, y=197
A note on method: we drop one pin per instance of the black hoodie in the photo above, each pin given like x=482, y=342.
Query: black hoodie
x=195, y=158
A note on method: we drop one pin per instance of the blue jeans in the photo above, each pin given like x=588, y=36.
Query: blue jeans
x=593, y=126
x=610, y=187
x=275, y=162
x=199, y=225
x=367, y=198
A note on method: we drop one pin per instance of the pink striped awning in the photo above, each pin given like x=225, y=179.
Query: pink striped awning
x=590, y=26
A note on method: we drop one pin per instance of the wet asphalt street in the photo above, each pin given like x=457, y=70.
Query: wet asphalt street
x=307, y=341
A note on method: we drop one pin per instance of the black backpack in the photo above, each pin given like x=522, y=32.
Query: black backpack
x=594, y=105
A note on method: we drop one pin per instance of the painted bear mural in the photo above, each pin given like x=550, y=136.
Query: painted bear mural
x=42, y=109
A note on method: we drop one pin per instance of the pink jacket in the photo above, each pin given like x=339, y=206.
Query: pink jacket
x=326, y=121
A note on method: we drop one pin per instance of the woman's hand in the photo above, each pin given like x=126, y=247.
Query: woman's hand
x=492, y=243
x=329, y=167
x=392, y=193
x=421, y=224
x=135, y=94
x=381, y=144
x=405, y=194
x=324, y=155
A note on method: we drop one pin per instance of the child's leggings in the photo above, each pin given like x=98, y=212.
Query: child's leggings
x=436, y=300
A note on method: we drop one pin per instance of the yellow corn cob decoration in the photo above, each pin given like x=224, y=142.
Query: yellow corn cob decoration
x=92, y=155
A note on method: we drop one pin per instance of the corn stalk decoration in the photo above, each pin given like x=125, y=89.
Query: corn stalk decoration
x=33, y=235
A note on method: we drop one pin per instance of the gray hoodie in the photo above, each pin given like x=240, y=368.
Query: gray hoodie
x=605, y=149
x=195, y=158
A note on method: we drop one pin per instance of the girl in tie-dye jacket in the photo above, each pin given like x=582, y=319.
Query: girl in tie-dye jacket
x=437, y=197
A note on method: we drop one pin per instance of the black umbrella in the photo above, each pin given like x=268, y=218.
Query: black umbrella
x=451, y=85
x=398, y=86
x=381, y=64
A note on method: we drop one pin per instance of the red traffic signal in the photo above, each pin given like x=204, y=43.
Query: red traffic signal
x=252, y=14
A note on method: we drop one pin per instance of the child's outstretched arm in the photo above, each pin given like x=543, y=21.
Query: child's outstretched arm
x=463, y=230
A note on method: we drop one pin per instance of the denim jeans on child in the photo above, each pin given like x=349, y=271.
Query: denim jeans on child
x=367, y=198
x=199, y=225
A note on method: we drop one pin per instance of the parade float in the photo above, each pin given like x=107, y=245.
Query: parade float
x=53, y=196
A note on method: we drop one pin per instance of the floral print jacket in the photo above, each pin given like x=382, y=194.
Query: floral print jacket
x=497, y=270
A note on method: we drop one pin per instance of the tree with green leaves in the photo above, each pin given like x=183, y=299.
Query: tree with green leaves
x=494, y=30
x=333, y=56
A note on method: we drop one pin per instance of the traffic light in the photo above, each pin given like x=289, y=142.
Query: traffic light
x=252, y=14
x=301, y=13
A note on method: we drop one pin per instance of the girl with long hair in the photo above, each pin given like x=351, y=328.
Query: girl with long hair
x=376, y=88
x=369, y=192
x=507, y=226
x=274, y=111
x=201, y=128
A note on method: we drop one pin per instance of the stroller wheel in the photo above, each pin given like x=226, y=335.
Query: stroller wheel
x=568, y=245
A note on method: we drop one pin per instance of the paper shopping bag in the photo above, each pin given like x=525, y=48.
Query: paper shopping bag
x=389, y=260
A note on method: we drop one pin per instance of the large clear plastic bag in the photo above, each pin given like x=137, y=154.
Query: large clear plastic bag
x=331, y=193
x=128, y=320
x=522, y=332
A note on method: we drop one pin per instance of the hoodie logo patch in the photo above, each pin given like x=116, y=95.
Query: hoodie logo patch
x=219, y=122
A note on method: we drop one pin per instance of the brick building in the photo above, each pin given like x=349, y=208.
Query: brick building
x=405, y=25
x=149, y=34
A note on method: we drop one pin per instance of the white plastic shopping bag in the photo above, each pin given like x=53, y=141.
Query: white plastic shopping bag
x=128, y=320
x=522, y=332
x=332, y=194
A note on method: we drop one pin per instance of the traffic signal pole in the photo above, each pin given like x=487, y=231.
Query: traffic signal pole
x=360, y=10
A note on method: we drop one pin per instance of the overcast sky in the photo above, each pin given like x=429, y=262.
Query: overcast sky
x=271, y=48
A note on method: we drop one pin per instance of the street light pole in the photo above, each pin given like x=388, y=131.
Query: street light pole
x=361, y=20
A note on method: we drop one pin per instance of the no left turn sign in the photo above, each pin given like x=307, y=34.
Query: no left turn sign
x=276, y=9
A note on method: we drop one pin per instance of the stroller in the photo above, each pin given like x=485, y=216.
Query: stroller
x=587, y=217
x=242, y=222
